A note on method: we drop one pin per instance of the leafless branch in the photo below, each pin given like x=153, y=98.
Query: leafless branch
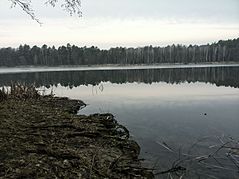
x=25, y=5
x=224, y=157
x=71, y=6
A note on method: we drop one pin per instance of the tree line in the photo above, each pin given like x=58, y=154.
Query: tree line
x=24, y=55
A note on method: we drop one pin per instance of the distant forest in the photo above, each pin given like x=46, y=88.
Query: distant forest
x=24, y=55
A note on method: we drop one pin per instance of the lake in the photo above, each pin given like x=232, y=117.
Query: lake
x=173, y=113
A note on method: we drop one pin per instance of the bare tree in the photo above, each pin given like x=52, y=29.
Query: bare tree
x=71, y=6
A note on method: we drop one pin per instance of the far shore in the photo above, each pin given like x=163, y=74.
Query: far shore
x=31, y=69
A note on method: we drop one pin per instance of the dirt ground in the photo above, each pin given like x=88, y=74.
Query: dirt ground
x=42, y=137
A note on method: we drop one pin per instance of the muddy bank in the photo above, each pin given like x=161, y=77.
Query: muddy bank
x=42, y=137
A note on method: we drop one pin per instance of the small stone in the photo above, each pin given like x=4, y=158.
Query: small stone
x=66, y=162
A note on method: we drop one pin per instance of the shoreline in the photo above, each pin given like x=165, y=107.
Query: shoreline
x=32, y=69
x=41, y=136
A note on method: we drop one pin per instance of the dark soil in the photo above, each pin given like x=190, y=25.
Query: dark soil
x=44, y=138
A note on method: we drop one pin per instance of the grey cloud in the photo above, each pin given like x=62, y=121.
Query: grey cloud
x=224, y=10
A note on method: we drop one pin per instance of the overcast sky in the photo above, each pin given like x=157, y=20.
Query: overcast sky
x=130, y=23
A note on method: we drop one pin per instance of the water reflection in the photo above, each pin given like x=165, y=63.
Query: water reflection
x=227, y=76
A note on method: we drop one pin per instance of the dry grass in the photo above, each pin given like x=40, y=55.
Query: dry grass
x=22, y=91
x=3, y=94
x=19, y=91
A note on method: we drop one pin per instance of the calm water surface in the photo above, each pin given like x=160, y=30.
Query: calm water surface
x=165, y=110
